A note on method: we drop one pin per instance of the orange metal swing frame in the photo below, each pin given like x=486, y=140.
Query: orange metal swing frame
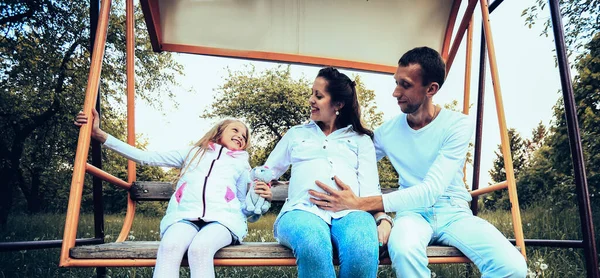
x=151, y=11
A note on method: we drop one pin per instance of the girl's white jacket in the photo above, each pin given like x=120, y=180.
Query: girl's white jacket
x=211, y=189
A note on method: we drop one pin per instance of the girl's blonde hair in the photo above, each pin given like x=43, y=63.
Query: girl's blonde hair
x=212, y=136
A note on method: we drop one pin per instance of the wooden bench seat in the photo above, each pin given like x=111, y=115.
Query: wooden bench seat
x=247, y=250
x=255, y=253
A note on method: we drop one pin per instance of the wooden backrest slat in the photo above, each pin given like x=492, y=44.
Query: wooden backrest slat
x=162, y=191
x=151, y=191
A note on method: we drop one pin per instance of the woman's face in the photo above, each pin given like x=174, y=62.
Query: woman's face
x=321, y=107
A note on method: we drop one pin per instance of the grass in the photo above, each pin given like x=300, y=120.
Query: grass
x=538, y=223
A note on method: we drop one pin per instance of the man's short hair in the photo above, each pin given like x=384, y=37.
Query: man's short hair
x=433, y=68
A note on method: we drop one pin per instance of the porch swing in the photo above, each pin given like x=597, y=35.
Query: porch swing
x=280, y=31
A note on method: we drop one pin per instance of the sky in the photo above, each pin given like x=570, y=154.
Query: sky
x=529, y=82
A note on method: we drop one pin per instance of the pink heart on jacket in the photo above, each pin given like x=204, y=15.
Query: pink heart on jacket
x=229, y=195
x=179, y=192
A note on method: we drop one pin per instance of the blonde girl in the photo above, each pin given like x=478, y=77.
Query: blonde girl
x=204, y=213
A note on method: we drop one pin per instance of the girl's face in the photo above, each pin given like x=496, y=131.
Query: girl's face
x=234, y=136
x=321, y=108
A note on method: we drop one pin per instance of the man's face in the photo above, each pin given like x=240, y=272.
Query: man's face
x=409, y=92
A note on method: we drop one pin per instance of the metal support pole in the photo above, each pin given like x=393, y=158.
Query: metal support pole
x=479, y=125
x=97, y=147
x=479, y=117
x=581, y=187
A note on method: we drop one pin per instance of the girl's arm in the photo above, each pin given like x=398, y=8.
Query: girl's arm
x=242, y=184
x=166, y=159
x=97, y=133
x=163, y=159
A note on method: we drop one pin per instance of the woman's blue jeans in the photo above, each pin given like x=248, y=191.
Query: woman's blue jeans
x=353, y=237
x=451, y=222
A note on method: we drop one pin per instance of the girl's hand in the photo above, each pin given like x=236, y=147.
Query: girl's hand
x=263, y=190
x=97, y=133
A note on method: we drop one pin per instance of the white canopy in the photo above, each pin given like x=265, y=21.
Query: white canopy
x=362, y=34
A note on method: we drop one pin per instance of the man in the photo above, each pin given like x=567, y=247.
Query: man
x=427, y=146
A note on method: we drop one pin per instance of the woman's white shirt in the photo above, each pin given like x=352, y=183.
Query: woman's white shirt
x=314, y=156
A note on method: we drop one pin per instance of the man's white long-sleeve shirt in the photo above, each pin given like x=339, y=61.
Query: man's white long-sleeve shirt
x=429, y=161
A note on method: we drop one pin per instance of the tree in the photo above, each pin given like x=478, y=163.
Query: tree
x=388, y=177
x=43, y=76
x=372, y=117
x=548, y=175
x=538, y=180
x=15, y=12
x=535, y=174
x=518, y=150
x=271, y=102
x=538, y=135
x=586, y=90
x=581, y=21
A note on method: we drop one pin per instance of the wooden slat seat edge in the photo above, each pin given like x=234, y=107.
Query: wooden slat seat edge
x=247, y=250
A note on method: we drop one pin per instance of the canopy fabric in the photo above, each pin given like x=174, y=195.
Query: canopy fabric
x=368, y=33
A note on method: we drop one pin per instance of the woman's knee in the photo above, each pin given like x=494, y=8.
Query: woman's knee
x=300, y=227
x=362, y=217
x=355, y=229
x=313, y=248
x=358, y=243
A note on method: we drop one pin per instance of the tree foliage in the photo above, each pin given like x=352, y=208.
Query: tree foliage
x=586, y=90
x=44, y=66
x=581, y=20
x=538, y=138
x=518, y=151
x=272, y=101
x=547, y=171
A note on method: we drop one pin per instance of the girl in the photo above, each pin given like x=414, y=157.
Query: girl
x=334, y=143
x=204, y=214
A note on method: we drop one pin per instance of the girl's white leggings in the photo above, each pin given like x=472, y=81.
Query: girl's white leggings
x=201, y=246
